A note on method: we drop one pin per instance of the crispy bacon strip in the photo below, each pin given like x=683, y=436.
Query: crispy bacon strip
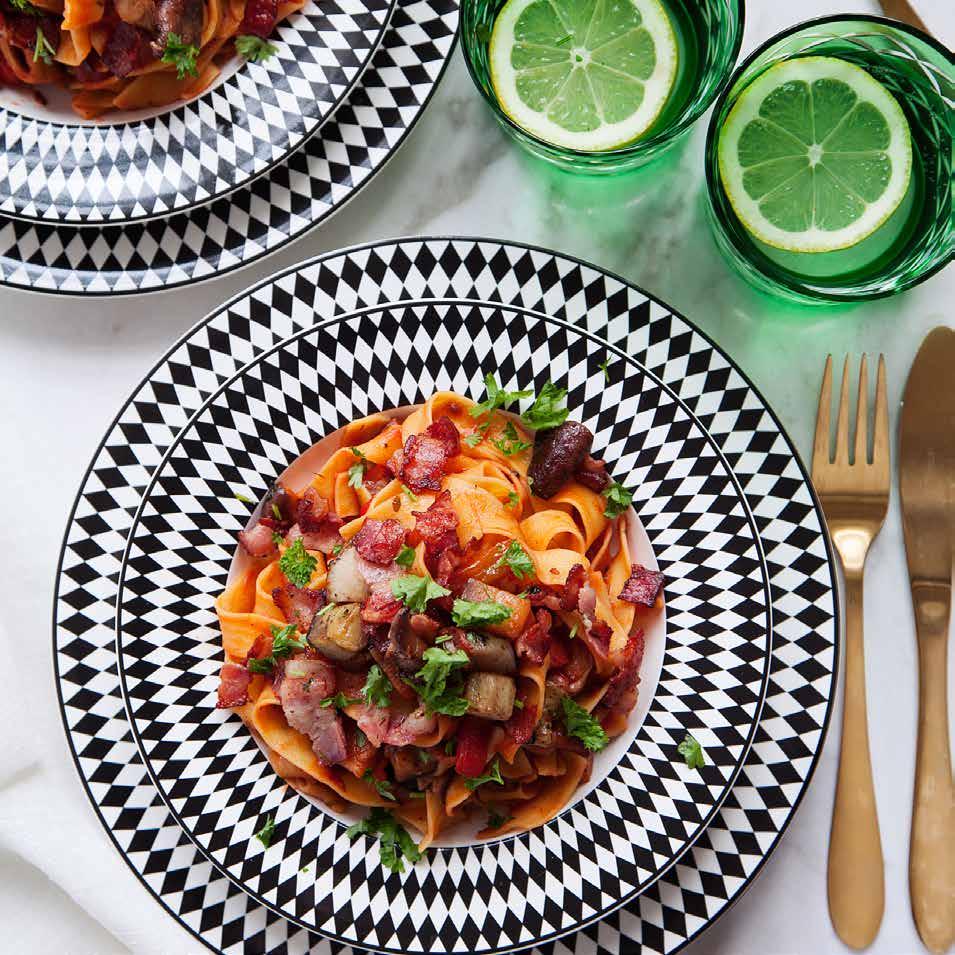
x=621, y=695
x=535, y=641
x=379, y=541
x=520, y=727
x=560, y=597
x=380, y=606
x=298, y=604
x=643, y=587
x=444, y=430
x=437, y=526
x=311, y=511
x=257, y=541
x=593, y=474
x=233, y=686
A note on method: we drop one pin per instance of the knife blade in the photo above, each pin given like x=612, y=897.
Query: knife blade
x=927, y=491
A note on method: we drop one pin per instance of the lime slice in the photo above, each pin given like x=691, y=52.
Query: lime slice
x=815, y=155
x=583, y=74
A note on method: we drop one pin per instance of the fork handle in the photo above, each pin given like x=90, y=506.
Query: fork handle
x=931, y=853
x=856, y=878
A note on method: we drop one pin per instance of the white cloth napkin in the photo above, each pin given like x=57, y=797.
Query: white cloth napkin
x=66, y=890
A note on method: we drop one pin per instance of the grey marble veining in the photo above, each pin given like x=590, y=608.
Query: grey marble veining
x=66, y=366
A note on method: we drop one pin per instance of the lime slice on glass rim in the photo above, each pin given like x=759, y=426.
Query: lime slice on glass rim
x=815, y=155
x=590, y=75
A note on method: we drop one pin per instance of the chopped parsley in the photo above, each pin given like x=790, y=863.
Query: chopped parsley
x=450, y=746
x=254, y=48
x=510, y=443
x=356, y=473
x=42, y=50
x=361, y=741
x=180, y=55
x=518, y=704
x=573, y=632
x=325, y=610
x=263, y=665
x=394, y=843
x=24, y=6
x=478, y=613
x=277, y=538
x=439, y=681
x=493, y=775
x=603, y=367
x=377, y=688
x=405, y=556
x=276, y=513
x=547, y=411
x=496, y=819
x=518, y=560
x=497, y=397
x=339, y=701
x=304, y=869
x=474, y=439
x=242, y=498
x=337, y=549
x=444, y=638
x=381, y=785
x=298, y=564
x=408, y=493
x=513, y=499
x=284, y=642
x=264, y=835
x=692, y=752
x=415, y=592
x=618, y=499
x=581, y=724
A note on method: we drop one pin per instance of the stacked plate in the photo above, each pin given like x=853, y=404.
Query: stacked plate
x=649, y=852
x=154, y=199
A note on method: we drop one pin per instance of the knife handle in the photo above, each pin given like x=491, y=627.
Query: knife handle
x=932, y=850
x=856, y=878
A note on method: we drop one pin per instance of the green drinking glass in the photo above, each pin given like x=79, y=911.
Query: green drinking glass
x=917, y=238
x=706, y=37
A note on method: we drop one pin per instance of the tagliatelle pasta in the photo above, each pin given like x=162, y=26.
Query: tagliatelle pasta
x=131, y=54
x=414, y=628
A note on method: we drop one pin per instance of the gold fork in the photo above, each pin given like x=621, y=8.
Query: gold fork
x=855, y=497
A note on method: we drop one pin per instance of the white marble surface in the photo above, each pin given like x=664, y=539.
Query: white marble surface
x=66, y=365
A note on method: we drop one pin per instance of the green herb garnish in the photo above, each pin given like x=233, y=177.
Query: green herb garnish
x=254, y=48
x=394, y=843
x=42, y=50
x=438, y=682
x=340, y=701
x=356, y=473
x=381, y=785
x=405, y=556
x=478, y=613
x=377, y=688
x=415, y=592
x=493, y=775
x=692, y=752
x=298, y=564
x=497, y=397
x=264, y=835
x=618, y=499
x=581, y=724
x=180, y=55
x=518, y=560
x=510, y=443
x=547, y=410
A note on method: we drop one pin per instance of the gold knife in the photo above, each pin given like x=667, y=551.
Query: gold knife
x=927, y=485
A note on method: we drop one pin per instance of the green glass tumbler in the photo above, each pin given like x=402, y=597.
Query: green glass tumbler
x=918, y=239
x=708, y=35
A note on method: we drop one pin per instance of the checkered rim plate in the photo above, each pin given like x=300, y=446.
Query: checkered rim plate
x=733, y=416
x=266, y=214
x=75, y=174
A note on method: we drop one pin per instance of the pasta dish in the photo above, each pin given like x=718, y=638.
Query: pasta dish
x=445, y=620
x=131, y=54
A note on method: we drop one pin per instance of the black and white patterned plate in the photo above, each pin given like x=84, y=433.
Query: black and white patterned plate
x=57, y=168
x=239, y=377
x=267, y=213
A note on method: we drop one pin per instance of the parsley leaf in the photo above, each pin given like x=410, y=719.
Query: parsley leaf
x=444, y=638
x=692, y=752
x=356, y=473
x=180, y=55
x=304, y=869
x=603, y=367
x=518, y=704
x=264, y=835
x=377, y=688
x=450, y=746
x=438, y=682
x=25, y=7
x=518, y=560
x=298, y=564
x=493, y=775
x=325, y=610
x=263, y=665
x=42, y=50
x=242, y=498
x=581, y=724
x=497, y=397
x=474, y=439
x=395, y=844
x=513, y=499
x=573, y=632
x=339, y=701
x=284, y=641
x=496, y=819
x=254, y=48
x=276, y=513
x=405, y=556
x=408, y=493
x=361, y=741
x=510, y=443
x=415, y=591
x=337, y=549
x=277, y=538
x=382, y=785
x=477, y=613
x=618, y=499
x=546, y=411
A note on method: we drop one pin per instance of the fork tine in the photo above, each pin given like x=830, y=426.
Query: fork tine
x=842, y=425
x=820, y=447
x=862, y=415
x=880, y=436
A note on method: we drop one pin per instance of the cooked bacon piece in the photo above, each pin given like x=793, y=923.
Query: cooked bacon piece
x=304, y=684
x=597, y=638
x=380, y=606
x=562, y=597
x=182, y=17
x=393, y=464
x=92, y=69
x=572, y=675
x=437, y=526
x=520, y=727
x=405, y=762
x=535, y=641
x=587, y=604
x=260, y=17
x=405, y=728
x=398, y=659
x=559, y=652
x=257, y=541
x=311, y=511
x=325, y=539
x=379, y=541
x=621, y=695
x=422, y=462
x=444, y=571
x=593, y=474
x=424, y=626
x=127, y=48
x=373, y=721
x=262, y=647
x=643, y=586
x=361, y=754
x=21, y=30
x=558, y=453
x=445, y=431
x=233, y=686
x=298, y=604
